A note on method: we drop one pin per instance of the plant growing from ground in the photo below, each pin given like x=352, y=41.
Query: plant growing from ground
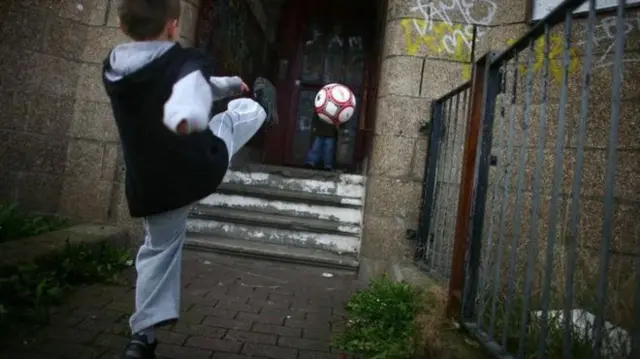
x=503, y=317
x=381, y=321
x=439, y=336
x=581, y=343
x=28, y=291
x=15, y=224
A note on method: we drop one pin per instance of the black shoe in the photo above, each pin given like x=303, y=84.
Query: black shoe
x=265, y=95
x=138, y=348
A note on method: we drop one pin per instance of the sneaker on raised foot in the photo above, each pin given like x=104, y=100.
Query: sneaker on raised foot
x=139, y=348
x=265, y=95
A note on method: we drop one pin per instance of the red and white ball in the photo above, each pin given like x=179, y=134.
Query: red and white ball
x=335, y=104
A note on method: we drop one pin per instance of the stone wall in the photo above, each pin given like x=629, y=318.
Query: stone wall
x=535, y=220
x=59, y=149
x=427, y=53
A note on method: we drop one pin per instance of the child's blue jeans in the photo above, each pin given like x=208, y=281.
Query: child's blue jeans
x=322, y=148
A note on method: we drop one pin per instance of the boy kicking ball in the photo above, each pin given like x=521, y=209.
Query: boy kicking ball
x=174, y=152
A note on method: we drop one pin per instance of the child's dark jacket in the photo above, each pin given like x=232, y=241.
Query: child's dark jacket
x=321, y=128
x=164, y=171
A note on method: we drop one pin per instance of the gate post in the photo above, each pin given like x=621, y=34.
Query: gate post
x=467, y=187
x=491, y=88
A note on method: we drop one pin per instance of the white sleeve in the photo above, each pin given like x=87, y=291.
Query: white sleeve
x=191, y=100
x=223, y=87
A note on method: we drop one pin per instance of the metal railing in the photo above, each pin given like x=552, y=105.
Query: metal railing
x=538, y=217
x=442, y=181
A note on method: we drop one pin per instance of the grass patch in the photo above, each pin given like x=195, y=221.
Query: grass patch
x=381, y=321
x=28, y=291
x=391, y=320
x=16, y=224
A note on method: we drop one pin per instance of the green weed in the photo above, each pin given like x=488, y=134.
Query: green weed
x=28, y=291
x=15, y=224
x=381, y=321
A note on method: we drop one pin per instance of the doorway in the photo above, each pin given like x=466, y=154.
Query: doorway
x=316, y=43
x=321, y=42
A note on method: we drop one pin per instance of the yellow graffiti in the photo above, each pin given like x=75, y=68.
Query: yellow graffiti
x=442, y=40
x=450, y=41
x=556, y=57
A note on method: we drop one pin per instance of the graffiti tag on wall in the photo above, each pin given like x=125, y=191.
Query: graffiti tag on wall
x=605, y=34
x=603, y=44
x=444, y=28
x=439, y=33
x=556, y=58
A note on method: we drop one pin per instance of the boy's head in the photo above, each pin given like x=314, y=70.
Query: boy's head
x=145, y=20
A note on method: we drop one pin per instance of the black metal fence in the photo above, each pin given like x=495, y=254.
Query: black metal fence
x=442, y=181
x=552, y=236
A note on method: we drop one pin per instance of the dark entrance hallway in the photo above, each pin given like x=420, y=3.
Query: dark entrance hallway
x=312, y=44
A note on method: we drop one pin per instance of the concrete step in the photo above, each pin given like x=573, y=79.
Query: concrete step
x=266, y=192
x=271, y=251
x=274, y=220
x=335, y=243
x=298, y=180
x=300, y=210
x=291, y=172
x=287, y=206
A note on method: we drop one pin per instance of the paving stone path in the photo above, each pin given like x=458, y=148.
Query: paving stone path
x=232, y=308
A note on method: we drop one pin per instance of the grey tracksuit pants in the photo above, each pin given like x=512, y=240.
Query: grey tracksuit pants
x=158, y=262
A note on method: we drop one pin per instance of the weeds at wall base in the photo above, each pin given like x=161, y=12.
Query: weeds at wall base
x=16, y=224
x=391, y=320
x=441, y=338
x=509, y=322
x=27, y=292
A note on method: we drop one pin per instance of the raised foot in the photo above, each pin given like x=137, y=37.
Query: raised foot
x=265, y=94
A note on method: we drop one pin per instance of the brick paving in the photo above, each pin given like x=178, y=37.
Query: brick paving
x=232, y=308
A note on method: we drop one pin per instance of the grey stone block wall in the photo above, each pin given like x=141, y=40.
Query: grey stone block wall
x=59, y=150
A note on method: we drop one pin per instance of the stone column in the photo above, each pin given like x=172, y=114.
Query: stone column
x=427, y=53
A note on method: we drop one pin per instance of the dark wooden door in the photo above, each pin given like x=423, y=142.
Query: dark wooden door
x=317, y=48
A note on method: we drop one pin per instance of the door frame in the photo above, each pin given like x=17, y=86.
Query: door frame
x=277, y=142
x=293, y=25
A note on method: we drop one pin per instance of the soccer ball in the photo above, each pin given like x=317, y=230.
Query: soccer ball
x=335, y=104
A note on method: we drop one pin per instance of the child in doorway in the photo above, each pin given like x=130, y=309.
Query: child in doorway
x=323, y=147
x=174, y=152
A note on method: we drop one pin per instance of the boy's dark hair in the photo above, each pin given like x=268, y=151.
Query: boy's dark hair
x=145, y=19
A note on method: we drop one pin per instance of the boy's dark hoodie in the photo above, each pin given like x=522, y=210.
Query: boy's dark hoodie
x=152, y=86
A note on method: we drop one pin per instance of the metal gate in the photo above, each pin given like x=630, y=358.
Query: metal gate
x=442, y=181
x=535, y=223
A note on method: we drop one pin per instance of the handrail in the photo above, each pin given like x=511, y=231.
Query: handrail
x=454, y=92
x=554, y=17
